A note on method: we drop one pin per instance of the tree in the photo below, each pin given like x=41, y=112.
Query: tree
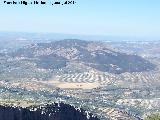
x=153, y=117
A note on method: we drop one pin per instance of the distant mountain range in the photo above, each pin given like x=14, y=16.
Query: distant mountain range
x=95, y=55
x=60, y=36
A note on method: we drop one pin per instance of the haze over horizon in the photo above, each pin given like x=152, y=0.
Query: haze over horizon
x=62, y=36
x=130, y=19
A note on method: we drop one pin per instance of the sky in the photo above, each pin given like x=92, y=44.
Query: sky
x=131, y=18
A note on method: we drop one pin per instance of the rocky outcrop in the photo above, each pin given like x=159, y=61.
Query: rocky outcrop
x=55, y=111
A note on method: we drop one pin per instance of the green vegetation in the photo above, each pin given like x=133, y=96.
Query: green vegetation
x=153, y=117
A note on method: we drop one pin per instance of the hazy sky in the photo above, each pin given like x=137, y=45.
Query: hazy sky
x=136, y=18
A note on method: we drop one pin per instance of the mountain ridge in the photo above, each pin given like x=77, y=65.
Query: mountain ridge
x=96, y=55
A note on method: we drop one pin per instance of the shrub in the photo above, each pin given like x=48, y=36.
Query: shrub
x=153, y=117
